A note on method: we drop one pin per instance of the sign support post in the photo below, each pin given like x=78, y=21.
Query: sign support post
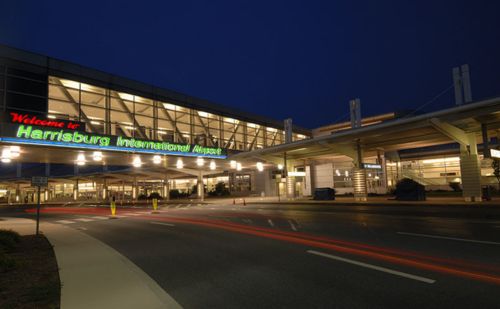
x=38, y=182
x=38, y=212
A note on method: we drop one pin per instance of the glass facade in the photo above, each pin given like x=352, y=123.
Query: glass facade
x=435, y=173
x=112, y=112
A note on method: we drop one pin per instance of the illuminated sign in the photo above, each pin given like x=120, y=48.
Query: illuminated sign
x=28, y=134
x=296, y=174
x=42, y=121
x=372, y=166
x=495, y=153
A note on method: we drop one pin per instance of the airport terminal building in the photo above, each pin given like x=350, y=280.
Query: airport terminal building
x=96, y=135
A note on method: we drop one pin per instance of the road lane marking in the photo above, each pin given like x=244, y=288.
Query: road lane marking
x=374, y=267
x=100, y=217
x=65, y=221
x=131, y=214
x=162, y=223
x=270, y=222
x=293, y=226
x=84, y=220
x=451, y=238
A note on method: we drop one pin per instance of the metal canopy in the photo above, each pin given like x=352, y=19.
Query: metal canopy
x=398, y=134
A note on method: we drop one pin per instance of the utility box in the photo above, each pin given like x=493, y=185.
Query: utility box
x=324, y=194
x=486, y=193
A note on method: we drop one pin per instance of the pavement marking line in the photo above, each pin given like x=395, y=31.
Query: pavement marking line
x=161, y=223
x=374, y=267
x=84, y=220
x=292, y=225
x=99, y=218
x=65, y=221
x=270, y=222
x=451, y=238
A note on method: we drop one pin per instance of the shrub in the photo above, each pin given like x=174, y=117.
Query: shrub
x=409, y=190
x=455, y=186
x=175, y=193
x=219, y=190
x=155, y=195
x=6, y=263
x=8, y=239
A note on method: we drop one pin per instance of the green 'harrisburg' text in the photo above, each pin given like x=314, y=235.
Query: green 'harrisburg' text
x=62, y=136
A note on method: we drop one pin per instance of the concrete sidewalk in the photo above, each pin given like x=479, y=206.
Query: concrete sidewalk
x=94, y=275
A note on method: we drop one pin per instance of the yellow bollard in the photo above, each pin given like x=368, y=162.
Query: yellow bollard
x=155, y=206
x=113, y=209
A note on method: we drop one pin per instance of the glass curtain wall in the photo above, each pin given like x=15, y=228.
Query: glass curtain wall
x=106, y=111
x=435, y=173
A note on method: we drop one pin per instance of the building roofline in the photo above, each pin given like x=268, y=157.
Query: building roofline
x=353, y=133
x=66, y=69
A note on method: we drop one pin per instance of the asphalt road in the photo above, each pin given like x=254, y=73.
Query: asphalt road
x=265, y=257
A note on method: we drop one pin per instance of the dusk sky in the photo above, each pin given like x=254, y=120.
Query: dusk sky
x=299, y=59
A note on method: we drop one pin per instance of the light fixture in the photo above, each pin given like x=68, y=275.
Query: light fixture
x=212, y=165
x=346, y=173
x=137, y=162
x=233, y=164
x=238, y=166
x=179, y=164
x=6, y=155
x=156, y=159
x=80, y=159
x=260, y=166
x=337, y=172
x=15, y=151
x=51, y=117
x=280, y=166
x=5, y=160
x=442, y=160
x=200, y=162
x=97, y=156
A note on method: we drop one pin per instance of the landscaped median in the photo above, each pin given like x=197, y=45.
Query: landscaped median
x=29, y=276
